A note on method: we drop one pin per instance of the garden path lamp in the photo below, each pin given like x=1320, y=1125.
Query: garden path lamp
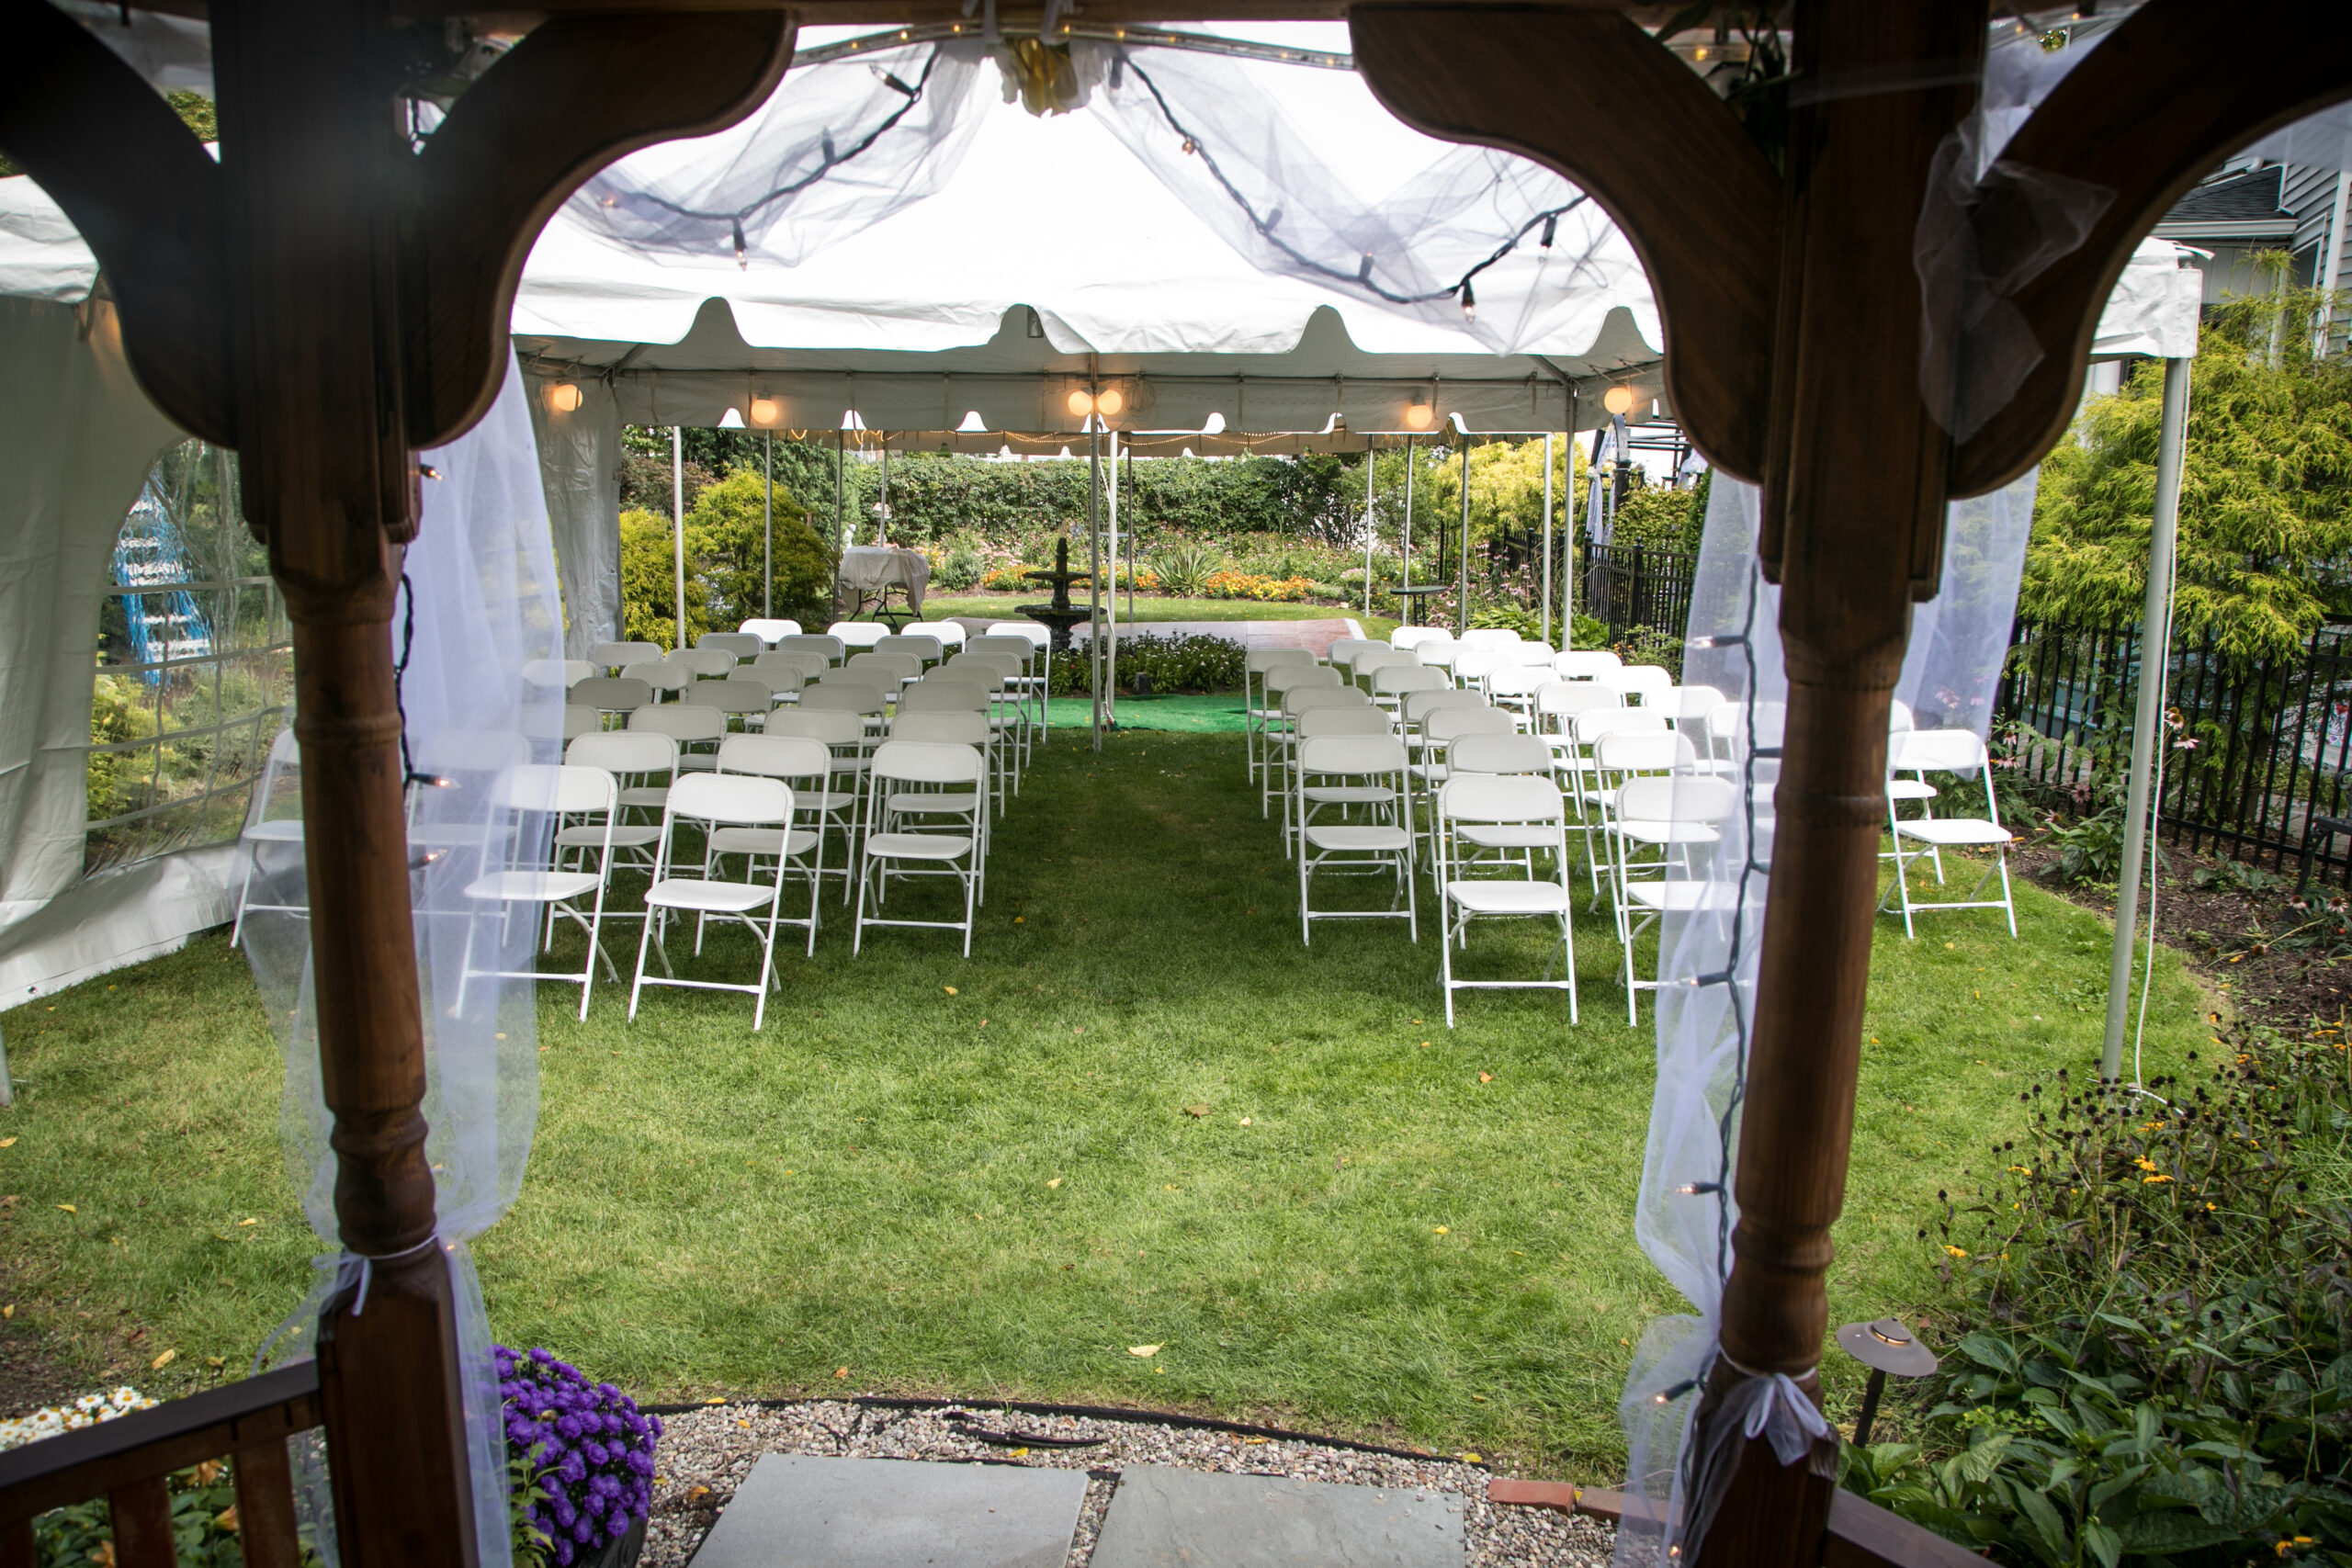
x=1887, y=1347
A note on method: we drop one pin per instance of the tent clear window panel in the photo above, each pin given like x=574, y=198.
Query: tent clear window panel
x=195, y=667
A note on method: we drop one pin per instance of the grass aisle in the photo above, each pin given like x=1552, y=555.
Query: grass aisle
x=1145, y=1115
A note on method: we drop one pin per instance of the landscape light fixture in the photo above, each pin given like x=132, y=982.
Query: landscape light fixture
x=766, y=411
x=1618, y=401
x=564, y=397
x=1887, y=1347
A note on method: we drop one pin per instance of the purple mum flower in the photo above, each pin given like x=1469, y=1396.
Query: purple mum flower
x=589, y=1450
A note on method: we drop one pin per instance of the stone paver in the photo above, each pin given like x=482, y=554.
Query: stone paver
x=1187, y=1518
x=799, y=1511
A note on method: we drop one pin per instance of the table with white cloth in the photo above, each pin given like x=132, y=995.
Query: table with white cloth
x=870, y=574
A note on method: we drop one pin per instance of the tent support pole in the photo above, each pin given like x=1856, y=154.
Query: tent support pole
x=1131, y=536
x=1111, y=611
x=1094, y=576
x=840, y=481
x=678, y=532
x=1368, y=524
x=2148, y=721
x=1461, y=564
x=882, y=517
x=1404, y=600
x=767, y=535
x=1545, y=634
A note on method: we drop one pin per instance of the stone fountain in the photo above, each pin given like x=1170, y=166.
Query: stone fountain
x=1061, y=615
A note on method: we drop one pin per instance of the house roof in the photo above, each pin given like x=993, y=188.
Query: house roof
x=2245, y=203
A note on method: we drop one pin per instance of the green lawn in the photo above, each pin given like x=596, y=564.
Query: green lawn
x=1152, y=607
x=1377, y=1226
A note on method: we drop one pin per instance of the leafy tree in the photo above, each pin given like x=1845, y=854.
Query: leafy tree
x=2265, y=502
x=648, y=588
x=725, y=542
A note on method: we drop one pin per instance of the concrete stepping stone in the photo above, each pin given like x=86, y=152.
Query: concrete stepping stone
x=1189, y=1519
x=800, y=1511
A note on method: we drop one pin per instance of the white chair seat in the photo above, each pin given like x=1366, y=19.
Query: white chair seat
x=1911, y=789
x=697, y=762
x=918, y=846
x=624, y=837
x=1659, y=833
x=1359, y=839
x=279, y=830
x=654, y=797
x=760, y=841
x=1946, y=832
x=1348, y=795
x=1679, y=897
x=1508, y=838
x=707, y=898
x=532, y=887
x=1501, y=897
x=945, y=802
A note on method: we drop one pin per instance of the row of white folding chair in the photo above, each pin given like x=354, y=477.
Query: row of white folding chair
x=1028, y=682
x=564, y=673
x=716, y=804
x=1312, y=713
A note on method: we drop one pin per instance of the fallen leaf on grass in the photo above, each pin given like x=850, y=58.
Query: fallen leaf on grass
x=1146, y=1351
x=249, y=1221
x=1020, y=1453
x=166, y=1360
x=1486, y=1078
x=1196, y=1112
x=842, y=1372
x=1439, y=1230
x=1477, y=1399
x=949, y=989
x=715, y=1399
x=69, y=1208
x=6, y=1143
x=1056, y=1181
x=1471, y=1458
x=8, y=1313
x=1245, y=1120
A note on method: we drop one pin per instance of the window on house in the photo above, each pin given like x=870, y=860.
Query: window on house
x=195, y=667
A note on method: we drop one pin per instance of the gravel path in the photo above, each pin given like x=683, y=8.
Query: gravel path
x=704, y=1455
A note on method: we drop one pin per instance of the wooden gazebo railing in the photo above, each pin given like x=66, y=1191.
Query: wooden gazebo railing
x=327, y=300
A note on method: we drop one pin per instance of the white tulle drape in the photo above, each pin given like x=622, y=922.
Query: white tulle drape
x=1708, y=956
x=479, y=602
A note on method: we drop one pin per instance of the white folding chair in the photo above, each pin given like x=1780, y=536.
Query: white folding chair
x=1674, y=818
x=1558, y=702
x=835, y=809
x=951, y=633
x=769, y=629
x=512, y=873
x=564, y=673
x=902, y=771
x=1009, y=716
x=621, y=655
x=805, y=768
x=578, y=721
x=1391, y=683
x=1260, y=704
x=1949, y=751
x=1584, y=664
x=697, y=730
x=1586, y=783
x=830, y=648
x=922, y=646
x=659, y=675
x=1486, y=639
x=844, y=690
x=713, y=801
x=632, y=761
x=858, y=636
x=1342, y=654
x=746, y=699
x=1025, y=681
x=263, y=831
x=1514, y=687
x=708, y=663
x=1500, y=754
x=1439, y=730
x=1534, y=655
x=1473, y=664
x=1314, y=721
x=966, y=691
x=1640, y=685
x=1354, y=774
x=783, y=678
x=742, y=644
x=1281, y=735
x=611, y=696
x=1277, y=670
x=888, y=671
x=1413, y=636
x=1481, y=800
x=1900, y=719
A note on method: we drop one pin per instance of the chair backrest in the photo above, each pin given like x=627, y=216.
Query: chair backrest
x=1439, y=652
x=858, y=634
x=1351, y=754
x=611, y=694
x=1687, y=705
x=1564, y=699
x=846, y=696
x=1259, y=660
x=738, y=799
x=1306, y=699
x=922, y=647
x=706, y=661
x=1413, y=636
x=454, y=752
x=1900, y=718
x=660, y=675
x=1936, y=751
x=1589, y=726
x=631, y=753
x=932, y=694
x=1376, y=658
x=778, y=678
x=1666, y=798
x=1644, y=683
x=742, y=644
x=1416, y=706
x=1395, y=680
x=768, y=630
x=1448, y=725
x=951, y=633
x=1520, y=679
x=1586, y=664
x=893, y=666
x=929, y=761
x=1343, y=649
x=1535, y=655
x=1498, y=754
x=682, y=721
x=1644, y=751
x=776, y=756
x=1002, y=666
x=556, y=672
x=1501, y=797
x=946, y=727
x=997, y=645
x=577, y=720
x=620, y=655
x=731, y=696
x=1343, y=721
x=831, y=648
x=1294, y=676
x=545, y=786
x=1489, y=638
x=1477, y=663
x=1029, y=631
x=834, y=727
x=810, y=665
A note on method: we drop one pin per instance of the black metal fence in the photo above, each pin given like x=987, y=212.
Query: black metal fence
x=2255, y=755
x=1632, y=585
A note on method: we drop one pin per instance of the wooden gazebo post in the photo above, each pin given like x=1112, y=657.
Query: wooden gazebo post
x=328, y=300
x=1795, y=324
